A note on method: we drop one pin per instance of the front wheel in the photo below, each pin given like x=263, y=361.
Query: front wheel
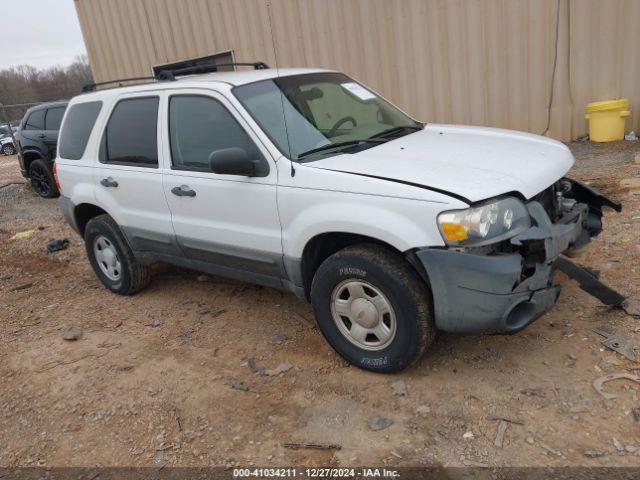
x=373, y=308
x=42, y=180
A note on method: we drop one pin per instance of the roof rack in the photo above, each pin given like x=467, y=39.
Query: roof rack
x=170, y=75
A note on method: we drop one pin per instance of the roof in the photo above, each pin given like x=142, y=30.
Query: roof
x=234, y=78
x=40, y=106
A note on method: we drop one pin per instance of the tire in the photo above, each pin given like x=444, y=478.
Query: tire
x=8, y=149
x=42, y=180
x=125, y=275
x=373, y=273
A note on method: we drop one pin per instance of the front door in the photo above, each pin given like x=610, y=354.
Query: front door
x=227, y=221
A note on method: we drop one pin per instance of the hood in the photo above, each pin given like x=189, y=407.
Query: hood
x=471, y=163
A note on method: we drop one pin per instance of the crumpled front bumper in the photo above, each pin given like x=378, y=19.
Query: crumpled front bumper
x=503, y=293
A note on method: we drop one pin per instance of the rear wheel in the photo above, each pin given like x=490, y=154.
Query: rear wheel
x=112, y=259
x=42, y=181
x=373, y=308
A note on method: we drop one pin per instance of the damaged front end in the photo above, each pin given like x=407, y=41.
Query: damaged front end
x=503, y=287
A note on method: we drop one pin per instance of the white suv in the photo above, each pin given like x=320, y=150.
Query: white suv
x=305, y=180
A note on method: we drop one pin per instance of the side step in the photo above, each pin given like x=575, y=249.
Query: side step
x=589, y=282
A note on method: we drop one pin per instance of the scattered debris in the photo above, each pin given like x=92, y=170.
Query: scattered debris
x=533, y=392
x=582, y=138
x=593, y=453
x=631, y=136
x=154, y=323
x=23, y=235
x=550, y=449
x=280, y=337
x=202, y=278
x=57, y=245
x=598, y=383
x=72, y=333
x=502, y=428
x=312, y=446
x=273, y=372
x=423, y=410
x=379, y=423
x=570, y=361
x=631, y=306
x=468, y=435
x=636, y=414
x=617, y=342
x=506, y=419
x=399, y=388
x=617, y=445
x=21, y=287
x=238, y=385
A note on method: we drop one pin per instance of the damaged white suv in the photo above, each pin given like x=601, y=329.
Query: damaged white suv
x=305, y=180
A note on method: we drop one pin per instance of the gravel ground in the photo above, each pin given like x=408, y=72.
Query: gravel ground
x=163, y=377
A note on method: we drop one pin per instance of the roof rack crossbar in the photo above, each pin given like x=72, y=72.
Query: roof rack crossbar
x=170, y=75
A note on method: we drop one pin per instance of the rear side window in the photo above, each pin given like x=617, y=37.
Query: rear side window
x=77, y=128
x=54, y=118
x=131, y=136
x=35, y=121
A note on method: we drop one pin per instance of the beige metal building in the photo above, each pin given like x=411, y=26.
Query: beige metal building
x=522, y=64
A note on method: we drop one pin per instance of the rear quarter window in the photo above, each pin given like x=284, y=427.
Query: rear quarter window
x=77, y=128
x=54, y=118
x=35, y=120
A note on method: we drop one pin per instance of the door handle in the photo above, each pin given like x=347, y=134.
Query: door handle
x=183, y=191
x=42, y=135
x=108, y=182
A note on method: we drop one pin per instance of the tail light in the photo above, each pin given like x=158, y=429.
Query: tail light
x=55, y=176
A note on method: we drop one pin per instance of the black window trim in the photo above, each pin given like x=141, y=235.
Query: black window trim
x=46, y=114
x=26, y=122
x=103, y=141
x=235, y=119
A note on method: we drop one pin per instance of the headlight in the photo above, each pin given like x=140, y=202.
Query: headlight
x=490, y=222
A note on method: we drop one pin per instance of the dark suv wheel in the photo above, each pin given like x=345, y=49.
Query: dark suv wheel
x=112, y=258
x=42, y=180
x=373, y=308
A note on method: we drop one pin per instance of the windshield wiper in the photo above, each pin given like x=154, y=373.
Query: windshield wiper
x=393, y=130
x=348, y=143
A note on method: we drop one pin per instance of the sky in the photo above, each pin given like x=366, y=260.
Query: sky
x=41, y=33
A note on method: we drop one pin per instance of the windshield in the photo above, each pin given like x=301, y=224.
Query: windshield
x=319, y=114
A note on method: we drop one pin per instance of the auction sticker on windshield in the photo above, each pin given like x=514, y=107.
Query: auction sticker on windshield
x=358, y=90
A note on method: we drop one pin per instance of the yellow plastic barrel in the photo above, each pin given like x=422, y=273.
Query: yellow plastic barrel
x=607, y=119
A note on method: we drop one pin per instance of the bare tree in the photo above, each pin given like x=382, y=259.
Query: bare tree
x=26, y=84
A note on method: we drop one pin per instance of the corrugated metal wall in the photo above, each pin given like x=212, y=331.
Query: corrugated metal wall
x=487, y=62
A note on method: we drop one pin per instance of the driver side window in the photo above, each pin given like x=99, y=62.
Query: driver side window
x=200, y=125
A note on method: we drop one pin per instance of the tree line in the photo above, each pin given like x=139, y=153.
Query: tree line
x=26, y=84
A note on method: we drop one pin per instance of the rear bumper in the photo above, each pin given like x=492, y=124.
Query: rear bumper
x=67, y=208
x=502, y=293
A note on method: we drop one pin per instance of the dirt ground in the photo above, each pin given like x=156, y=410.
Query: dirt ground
x=154, y=378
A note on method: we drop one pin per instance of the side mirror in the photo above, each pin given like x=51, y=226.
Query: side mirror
x=232, y=161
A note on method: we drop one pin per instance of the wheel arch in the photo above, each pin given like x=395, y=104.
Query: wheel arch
x=84, y=212
x=29, y=156
x=322, y=246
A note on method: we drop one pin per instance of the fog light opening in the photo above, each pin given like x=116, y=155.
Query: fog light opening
x=520, y=316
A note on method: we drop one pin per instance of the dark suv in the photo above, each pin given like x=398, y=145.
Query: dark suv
x=37, y=142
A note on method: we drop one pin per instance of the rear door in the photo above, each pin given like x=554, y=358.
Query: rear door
x=32, y=133
x=228, y=221
x=128, y=181
x=52, y=121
